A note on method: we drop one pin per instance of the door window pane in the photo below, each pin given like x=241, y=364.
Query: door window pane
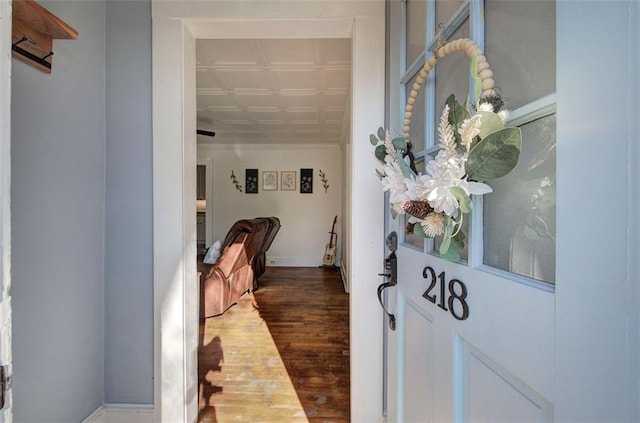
x=416, y=29
x=452, y=76
x=520, y=46
x=520, y=214
x=445, y=9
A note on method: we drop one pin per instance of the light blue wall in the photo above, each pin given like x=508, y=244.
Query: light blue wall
x=82, y=217
x=58, y=198
x=129, y=229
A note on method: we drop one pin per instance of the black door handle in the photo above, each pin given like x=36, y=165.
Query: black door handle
x=392, y=318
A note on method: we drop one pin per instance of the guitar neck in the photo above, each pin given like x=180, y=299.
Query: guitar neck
x=331, y=240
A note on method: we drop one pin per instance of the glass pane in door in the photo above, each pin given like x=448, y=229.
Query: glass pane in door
x=416, y=29
x=445, y=9
x=452, y=76
x=520, y=47
x=520, y=214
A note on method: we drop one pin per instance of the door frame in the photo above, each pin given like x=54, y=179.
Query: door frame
x=174, y=163
x=5, y=198
x=597, y=295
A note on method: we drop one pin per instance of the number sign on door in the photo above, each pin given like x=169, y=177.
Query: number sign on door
x=457, y=292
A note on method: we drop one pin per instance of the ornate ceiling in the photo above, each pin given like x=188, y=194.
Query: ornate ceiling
x=266, y=91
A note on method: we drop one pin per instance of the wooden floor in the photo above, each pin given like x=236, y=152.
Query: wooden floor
x=281, y=354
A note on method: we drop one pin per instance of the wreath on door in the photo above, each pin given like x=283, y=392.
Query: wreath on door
x=476, y=146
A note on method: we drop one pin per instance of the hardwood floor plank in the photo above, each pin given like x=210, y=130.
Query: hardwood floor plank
x=281, y=354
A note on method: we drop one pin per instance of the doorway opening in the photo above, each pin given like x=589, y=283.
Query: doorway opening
x=175, y=292
x=280, y=108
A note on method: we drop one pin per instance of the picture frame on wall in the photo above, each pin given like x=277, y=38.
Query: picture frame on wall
x=288, y=180
x=251, y=181
x=269, y=180
x=306, y=181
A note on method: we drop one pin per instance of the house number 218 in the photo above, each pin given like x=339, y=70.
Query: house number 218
x=457, y=293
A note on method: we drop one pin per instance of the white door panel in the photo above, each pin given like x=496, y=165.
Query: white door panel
x=492, y=394
x=440, y=373
x=417, y=331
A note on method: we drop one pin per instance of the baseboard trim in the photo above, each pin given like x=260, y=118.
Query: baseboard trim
x=122, y=413
x=96, y=417
x=294, y=261
x=343, y=274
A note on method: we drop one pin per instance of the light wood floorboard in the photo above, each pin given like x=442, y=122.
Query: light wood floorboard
x=281, y=354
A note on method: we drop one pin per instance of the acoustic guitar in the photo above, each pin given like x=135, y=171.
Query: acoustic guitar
x=330, y=249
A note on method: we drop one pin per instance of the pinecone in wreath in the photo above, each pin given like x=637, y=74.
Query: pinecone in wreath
x=418, y=209
x=408, y=228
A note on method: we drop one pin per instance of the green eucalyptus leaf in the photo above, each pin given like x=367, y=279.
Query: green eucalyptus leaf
x=460, y=238
x=394, y=213
x=445, y=245
x=491, y=123
x=380, y=174
x=446, y=237
x=463, y=199
x=494, y=156
x=457, y=115
x=381, y=152
x=404, y=167
x=452, y=254
x=400, y=144
x=381, y=134
x=457, y=245
x=419, y=230
x=373, y=140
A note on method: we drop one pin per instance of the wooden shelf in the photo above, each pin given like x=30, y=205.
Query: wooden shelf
x=33, y=31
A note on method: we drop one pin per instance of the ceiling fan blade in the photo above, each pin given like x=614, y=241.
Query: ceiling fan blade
x=206, y=133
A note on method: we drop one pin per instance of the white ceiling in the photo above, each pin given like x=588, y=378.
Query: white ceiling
x=273, y=91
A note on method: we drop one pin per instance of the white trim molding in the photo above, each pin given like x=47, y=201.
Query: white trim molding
x=122, y=413
x=174, y=147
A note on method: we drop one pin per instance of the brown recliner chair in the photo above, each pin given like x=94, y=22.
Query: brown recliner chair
x=261, y=260
x=223, y=283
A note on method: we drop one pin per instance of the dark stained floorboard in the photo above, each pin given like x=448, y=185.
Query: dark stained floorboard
x=281, y=354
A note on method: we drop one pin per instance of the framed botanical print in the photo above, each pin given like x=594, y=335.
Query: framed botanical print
x=288, y=180
x=269, y=180
x=306, y=181
x=251, y=181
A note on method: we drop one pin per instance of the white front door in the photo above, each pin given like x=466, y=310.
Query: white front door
x=6, y=414
x=474, y=339
x=527, y=325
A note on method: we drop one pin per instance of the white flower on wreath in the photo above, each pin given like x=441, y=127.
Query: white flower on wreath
x=433, y=224
x=394, y=181
x=470, y=129
x=443, y=174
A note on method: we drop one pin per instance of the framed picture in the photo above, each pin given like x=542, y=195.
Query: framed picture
x=251, y=181
x=306, y=181
x=288, y=180
x=269, y=180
